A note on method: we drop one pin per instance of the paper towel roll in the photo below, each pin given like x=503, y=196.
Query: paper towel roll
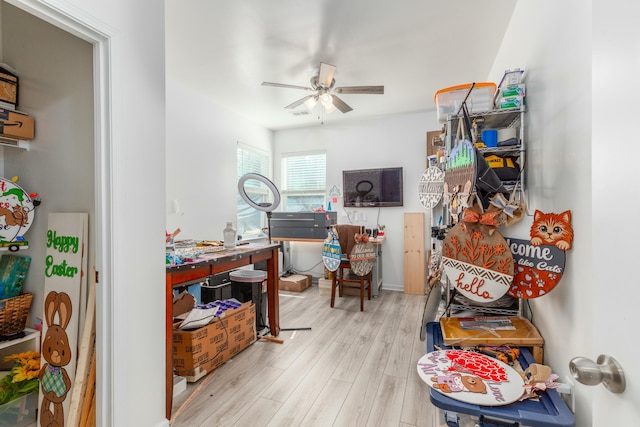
x=506, y=133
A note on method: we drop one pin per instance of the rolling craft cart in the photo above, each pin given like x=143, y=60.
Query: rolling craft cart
x=549, y=411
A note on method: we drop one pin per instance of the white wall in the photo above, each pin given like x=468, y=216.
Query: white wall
x=129, y=184
x=383, y=142
x=201, y=162
x=552, y=41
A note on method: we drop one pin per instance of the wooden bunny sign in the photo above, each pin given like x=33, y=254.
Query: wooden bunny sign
x=56, y=351
x=65, y=264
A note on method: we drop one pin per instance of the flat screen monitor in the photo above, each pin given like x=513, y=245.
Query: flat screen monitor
x=372, y=187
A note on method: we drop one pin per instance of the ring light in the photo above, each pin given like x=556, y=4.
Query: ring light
x=263, y=206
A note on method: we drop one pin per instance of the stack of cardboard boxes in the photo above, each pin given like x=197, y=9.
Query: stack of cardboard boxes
x=199, y=351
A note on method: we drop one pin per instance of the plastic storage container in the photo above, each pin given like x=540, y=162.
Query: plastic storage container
x=251, y=285
x=549, y=411
x=490, y=137
x=449, y=100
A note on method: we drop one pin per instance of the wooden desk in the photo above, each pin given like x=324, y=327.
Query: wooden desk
x=214, y=263
x=376, y=278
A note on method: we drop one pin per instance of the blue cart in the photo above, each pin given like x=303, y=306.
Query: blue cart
x=549, y=411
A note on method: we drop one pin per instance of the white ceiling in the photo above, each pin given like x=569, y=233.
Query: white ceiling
x=225, y=49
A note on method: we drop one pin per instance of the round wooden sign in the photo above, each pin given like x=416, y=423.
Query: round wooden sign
x=471, y=377
x=16, y=214
x=362, y=258
x=331, y=252
x=431, y=187
x=477, y=259
x=538, y=269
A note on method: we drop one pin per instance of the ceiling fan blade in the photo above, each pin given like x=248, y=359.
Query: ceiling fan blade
x=379, y=90
x=285, y=86
x=341, y=105
x=325, y=77
x=299, y=101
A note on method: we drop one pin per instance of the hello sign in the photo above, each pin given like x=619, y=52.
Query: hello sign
x=476, y=258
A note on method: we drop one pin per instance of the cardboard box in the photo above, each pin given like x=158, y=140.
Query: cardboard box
x=295, y=282
x=200, y=351
x=8, y=87
x=14, y=124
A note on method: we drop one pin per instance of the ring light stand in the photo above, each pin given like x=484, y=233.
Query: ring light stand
x=262, y=206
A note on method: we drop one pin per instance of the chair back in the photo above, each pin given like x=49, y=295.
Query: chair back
x=346, y=236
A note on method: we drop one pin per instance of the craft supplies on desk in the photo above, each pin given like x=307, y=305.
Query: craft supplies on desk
x=492, y=331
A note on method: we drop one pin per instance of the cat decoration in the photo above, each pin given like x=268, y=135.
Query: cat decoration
x=540, y=261
x=552, y=229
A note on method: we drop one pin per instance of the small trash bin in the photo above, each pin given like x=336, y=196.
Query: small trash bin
x=251, y=285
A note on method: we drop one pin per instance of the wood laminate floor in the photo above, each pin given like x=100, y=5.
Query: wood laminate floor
x=351, y=369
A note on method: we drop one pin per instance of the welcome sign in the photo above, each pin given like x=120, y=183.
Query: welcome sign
x=537, y=270
x=331, y=252
x=362, y=258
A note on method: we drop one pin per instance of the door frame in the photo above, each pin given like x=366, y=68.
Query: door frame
x=96, y=33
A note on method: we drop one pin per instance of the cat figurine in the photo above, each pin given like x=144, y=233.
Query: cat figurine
x=552, y=229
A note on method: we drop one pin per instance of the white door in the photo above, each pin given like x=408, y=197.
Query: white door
x=616, y=206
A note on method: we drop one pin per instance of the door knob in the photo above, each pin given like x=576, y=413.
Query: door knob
x=606, y=371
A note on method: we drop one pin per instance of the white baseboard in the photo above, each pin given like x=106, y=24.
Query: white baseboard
x=391, y=287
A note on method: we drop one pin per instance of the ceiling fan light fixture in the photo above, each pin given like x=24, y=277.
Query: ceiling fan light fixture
x=326, y=93
x=326, y=100
x=311, y=102
x=329, y=108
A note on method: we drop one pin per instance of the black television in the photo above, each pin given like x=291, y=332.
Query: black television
x=370, y=188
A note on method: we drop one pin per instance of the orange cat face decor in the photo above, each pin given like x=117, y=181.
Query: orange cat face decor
x=552, y=229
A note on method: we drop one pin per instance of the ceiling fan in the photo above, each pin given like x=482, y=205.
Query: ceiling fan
x=323, y=86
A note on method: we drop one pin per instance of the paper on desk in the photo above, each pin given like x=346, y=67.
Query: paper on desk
x=198, y=317
x=486, y=323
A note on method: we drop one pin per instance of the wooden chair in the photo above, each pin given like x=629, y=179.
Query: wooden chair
x=340, y=278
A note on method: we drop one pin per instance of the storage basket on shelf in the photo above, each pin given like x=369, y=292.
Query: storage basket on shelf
x=13, y=313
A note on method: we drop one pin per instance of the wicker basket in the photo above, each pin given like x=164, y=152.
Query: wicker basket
x=13, y=313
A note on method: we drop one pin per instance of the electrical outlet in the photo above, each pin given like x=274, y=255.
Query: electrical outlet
x=566, y=392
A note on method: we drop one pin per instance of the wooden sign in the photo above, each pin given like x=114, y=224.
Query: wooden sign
x=538, y=269
x=471, y=377
x=331, y=252
x=362, y=258
x=16, y=215
x=459, y=179
x=476, y=257
x=431, y=187
x=64, y=273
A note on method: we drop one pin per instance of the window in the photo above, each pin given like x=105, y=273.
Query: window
x=304, y=181
x=251, y=222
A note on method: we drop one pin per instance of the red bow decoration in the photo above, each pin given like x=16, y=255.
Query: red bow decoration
x=488, y=218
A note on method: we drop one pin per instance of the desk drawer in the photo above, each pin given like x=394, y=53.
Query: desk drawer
x=188, y=273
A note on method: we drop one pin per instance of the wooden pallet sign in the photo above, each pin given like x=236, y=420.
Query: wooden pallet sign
x=66, y=241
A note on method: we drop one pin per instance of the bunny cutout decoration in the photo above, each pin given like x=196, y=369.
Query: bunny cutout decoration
x=56, y=351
